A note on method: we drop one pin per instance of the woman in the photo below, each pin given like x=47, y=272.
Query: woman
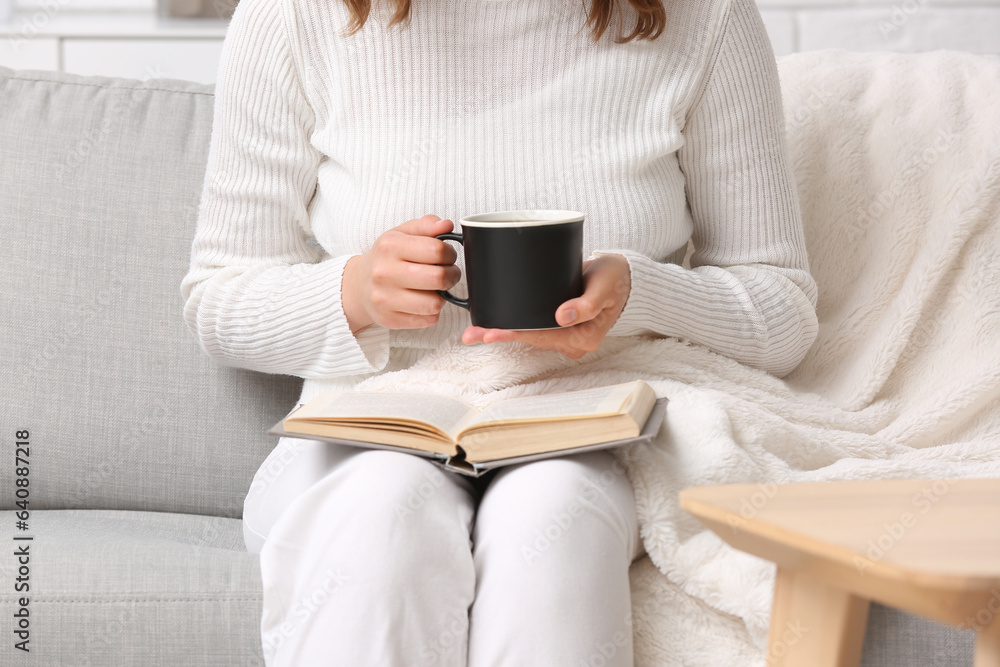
x=342, y=144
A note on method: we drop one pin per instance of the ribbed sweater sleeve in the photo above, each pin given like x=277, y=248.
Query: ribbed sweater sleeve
x=258, y=293
x=748, y=294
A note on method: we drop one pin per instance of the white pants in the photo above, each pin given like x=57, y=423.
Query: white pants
x=382, y=559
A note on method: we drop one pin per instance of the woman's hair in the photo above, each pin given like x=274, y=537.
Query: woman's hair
x=650, y=20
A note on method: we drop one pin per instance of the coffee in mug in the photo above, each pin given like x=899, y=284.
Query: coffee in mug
x=520, y=266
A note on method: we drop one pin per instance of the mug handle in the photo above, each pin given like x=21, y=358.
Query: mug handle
x=448, y=296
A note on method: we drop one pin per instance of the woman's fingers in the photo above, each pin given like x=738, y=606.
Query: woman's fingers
x=598, y=295
x=584, y=321
x=395, y=283
x=428, y=225
x=414, y=302
x=428, y=277
x=425, y=250
x=397, y=320
x=572, y=341
x=473, y=335
x=416, y=263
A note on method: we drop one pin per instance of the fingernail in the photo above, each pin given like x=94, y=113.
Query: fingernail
x=569, y=316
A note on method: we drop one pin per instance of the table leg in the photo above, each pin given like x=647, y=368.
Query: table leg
x=988, y=645
x=816, y=624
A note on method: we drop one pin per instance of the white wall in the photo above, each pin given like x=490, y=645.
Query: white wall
x=883, y=25
x=87, y=5
x=124, y=37
x=804, y=25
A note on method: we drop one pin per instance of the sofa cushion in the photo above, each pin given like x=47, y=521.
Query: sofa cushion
x=100, y=180
x=893, y=639
x=135, y=588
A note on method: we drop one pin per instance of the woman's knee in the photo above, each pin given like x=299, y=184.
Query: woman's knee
x=377, y=502
x=403, y=494
x=559, y=504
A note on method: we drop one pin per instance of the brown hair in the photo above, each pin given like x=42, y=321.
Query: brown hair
x=650, y=20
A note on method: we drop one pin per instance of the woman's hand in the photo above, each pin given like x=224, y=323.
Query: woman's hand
x=394, y=284
x=585, y=320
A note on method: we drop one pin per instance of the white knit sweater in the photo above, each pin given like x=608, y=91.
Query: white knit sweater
x=322, y=142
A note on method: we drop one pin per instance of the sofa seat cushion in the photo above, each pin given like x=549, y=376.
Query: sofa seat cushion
x=112, y=587
x=896, y=639
x=156, y=588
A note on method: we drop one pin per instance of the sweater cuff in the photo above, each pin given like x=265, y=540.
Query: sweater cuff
x=346, y=352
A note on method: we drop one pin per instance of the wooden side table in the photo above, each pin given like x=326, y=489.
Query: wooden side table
x=929, y=547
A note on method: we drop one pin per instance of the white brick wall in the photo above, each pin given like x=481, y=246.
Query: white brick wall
x=86, y=5
x=883, y=25
x=794, y=25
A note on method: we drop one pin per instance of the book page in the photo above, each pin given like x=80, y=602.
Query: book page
x=554, y=407
x=439, y=411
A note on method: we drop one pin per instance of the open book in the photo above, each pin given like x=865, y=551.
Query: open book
x=471, y=441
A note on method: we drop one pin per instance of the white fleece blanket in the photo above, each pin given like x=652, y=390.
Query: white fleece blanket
x=897, y=159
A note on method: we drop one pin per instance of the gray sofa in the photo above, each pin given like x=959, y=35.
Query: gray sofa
x=141, y=449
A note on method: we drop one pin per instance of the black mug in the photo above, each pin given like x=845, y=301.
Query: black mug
x=520, y=266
